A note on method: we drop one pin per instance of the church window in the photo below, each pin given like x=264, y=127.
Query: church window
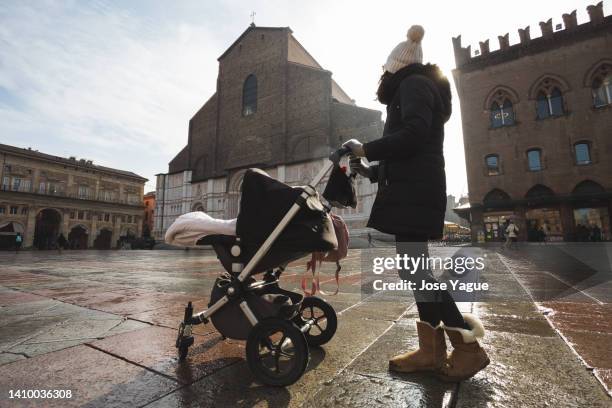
x=249, y=96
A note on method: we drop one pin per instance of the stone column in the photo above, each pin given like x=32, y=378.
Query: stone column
x=30, y=227
x=138, y=221
x=281, y=172
x=116, y=232
x=210, y=202
x=65, y=221
x=520, y=212
x=93, y=231
x=567, y=220
x=477, y=223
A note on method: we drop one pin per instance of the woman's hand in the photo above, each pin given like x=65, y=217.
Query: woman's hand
x=358, y=166
x=356, y=147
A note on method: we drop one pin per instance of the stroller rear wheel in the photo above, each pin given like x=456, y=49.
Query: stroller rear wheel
x=322, y=317
x=277, y=352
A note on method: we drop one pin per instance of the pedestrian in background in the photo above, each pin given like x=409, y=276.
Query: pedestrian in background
x=511, y=234
x=18, y=242
x=411, y=203
x=62, y=242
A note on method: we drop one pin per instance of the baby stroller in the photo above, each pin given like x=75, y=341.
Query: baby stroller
x=276, y=224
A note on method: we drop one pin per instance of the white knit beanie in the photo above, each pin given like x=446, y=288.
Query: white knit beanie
x=407, y=52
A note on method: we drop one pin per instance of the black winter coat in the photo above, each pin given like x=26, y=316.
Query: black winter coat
x=411, y=196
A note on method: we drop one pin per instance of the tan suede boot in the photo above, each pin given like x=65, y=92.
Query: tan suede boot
x=430, y=355
x=467, y=357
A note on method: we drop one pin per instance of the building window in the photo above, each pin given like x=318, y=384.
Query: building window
x=83, y=190
x=550, y=103
x=42, y=187
x=80, y=215
x=2, y=209
x=129, y=219
x=492, y=162
x=602, y=89
x=534, y=158
x=583, y=153
x=107, y=217
x=5, y=183
x=502, y=114
x=16, y=184
x=249, y=96
x=72, y=215
x=24, y=210
x=13, y=210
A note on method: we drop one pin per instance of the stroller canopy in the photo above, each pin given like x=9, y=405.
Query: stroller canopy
x=264, y=202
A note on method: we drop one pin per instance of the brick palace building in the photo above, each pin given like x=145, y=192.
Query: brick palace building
x=274, y=108
x=43, y=196
x=537, y=129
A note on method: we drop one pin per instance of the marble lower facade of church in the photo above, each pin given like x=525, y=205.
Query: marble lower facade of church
x=177, y=194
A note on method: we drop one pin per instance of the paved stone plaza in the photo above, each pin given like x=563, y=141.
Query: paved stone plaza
x=103, y=325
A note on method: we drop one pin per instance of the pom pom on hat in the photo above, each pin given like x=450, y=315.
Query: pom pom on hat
x=407, y=52
x=416, y=33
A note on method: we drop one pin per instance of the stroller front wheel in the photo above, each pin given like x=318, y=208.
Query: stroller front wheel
x=322, y=316
x=277, y=352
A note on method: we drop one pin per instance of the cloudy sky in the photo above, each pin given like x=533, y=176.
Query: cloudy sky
x=118, y=81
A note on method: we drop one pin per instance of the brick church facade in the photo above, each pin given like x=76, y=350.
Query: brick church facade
x=274, y=108
x=537, y=128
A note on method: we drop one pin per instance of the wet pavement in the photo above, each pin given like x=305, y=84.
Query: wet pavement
x=103, y=325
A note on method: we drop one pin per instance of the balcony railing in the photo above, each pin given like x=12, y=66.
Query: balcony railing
x=77, y=195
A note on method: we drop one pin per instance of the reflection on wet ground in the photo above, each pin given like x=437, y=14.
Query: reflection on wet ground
x=103, y=325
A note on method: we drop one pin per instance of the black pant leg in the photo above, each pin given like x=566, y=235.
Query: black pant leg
x=433, y=306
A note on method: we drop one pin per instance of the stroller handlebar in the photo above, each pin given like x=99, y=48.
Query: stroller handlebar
x=339, y=154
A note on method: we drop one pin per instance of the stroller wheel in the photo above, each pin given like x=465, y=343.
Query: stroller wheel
x=277, y=352
x=322, y=317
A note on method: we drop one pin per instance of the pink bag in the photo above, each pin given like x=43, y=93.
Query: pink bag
x=342, y=235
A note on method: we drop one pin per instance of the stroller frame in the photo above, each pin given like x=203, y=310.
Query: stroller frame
x=237, y=288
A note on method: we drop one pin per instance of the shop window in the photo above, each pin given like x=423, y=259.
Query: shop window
x=495, y=225
x=534, y=159
x=591, y=224
x=544, y=224
x=583, y=153
x=492, y=162
x=249, y=96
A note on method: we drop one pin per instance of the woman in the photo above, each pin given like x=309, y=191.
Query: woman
x=411, y=202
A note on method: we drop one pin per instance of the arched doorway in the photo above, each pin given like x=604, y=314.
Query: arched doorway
x=498, y=210
x=103, y=240
x=591, y=212
x=77, y=238
x=47, y=228
x=233, y=195
x=543, y=215
x=8, y=233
